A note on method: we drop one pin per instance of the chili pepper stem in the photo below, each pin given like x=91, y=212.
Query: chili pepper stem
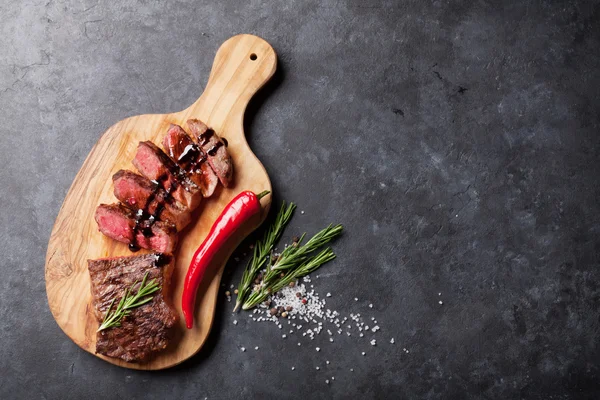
x=262, y=194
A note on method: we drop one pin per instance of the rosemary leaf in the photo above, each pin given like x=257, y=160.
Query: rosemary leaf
x=297, y=254
x=129, y=301
x=262, y=249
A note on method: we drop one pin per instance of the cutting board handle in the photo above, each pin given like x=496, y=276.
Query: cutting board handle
x=242, y=65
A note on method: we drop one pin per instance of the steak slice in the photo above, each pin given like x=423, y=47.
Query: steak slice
x=138, y=192
x=155, y=165
x=190, y=157
x=136, y=229
x=216, y=149
x=147, y=329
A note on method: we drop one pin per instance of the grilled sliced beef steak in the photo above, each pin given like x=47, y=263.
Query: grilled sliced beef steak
x=216, y=149
x=140, y=193
x=147, y=329
x=190, y=157
x=155, y=165
x=136, y=229
x=159, y=202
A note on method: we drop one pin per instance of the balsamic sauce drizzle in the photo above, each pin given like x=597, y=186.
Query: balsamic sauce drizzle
x=143, y=219
x=213, y=150
x=191, y=158
x=205, y=137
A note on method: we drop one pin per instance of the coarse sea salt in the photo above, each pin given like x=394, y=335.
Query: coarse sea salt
x=303, y=304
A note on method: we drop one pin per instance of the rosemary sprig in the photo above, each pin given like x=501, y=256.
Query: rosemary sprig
x=303, y=269
x=296, y=254
x=129, y=301
x=293, y=263
x=262, y=250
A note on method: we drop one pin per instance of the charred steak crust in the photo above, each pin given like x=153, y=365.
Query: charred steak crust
x=147, y=330
x=216, y=149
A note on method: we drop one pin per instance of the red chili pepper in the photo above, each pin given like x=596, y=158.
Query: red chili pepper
x=236, y=213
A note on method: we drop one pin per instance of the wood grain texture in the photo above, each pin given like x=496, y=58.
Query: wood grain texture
x=243, y=64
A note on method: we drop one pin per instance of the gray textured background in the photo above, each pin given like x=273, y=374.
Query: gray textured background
x=457, y=141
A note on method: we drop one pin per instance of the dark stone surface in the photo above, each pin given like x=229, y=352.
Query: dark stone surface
x=457, y=141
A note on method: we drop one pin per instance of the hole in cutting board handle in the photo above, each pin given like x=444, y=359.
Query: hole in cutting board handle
x=253, y=57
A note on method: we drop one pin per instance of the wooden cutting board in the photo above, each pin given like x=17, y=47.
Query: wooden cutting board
x=242, y=65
